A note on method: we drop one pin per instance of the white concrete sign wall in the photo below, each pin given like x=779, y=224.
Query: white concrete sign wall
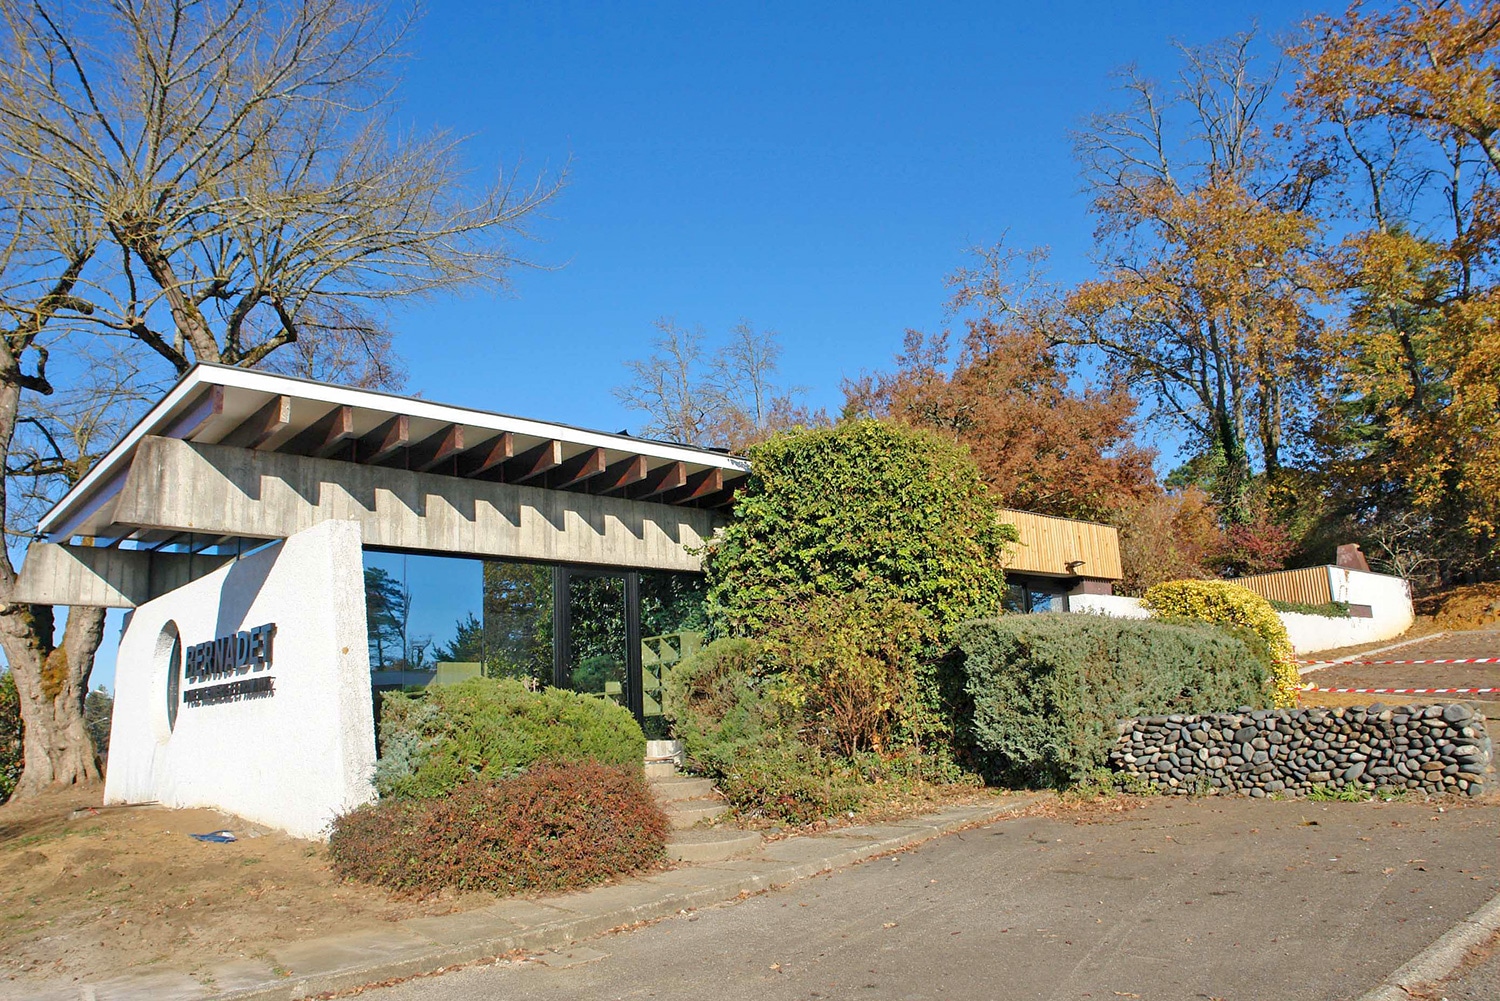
x=249, y=689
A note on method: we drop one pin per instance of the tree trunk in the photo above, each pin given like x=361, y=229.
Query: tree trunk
x=1235, y=478
x=52, y=683
x=51, y=680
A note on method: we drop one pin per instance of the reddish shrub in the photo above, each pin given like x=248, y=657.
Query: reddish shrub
x=554, y=827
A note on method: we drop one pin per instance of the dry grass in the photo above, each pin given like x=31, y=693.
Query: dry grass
x=96, y=891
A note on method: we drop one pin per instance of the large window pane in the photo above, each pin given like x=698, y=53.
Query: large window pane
x=423, y=618
x=518, y=621
x=673, y=623
x=597, y=661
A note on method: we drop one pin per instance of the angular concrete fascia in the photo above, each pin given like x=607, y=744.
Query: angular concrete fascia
x=104, y=578
x=215, y=490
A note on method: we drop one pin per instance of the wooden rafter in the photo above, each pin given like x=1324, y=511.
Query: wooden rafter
x=619, y=475
x=198, y=416
x=671, y=476
x=534, y=462
x=574, y=471
x=254, y=430
x=724, y=498
x=487, y=455
x=701, y=484
x=436, y=449
x=385, y=441
x=325, y=436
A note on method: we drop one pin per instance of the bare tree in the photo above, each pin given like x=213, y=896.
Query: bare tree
x=243, y=160
x=727, y=400
x=213, y=180
x=670, y=388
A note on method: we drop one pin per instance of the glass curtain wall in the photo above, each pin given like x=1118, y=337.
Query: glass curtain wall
x=436, y=619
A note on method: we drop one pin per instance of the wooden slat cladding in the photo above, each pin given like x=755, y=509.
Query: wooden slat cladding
x=1307, y=586
x=1048, y=545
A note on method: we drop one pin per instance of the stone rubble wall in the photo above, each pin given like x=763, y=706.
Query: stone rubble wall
x=1431, y=749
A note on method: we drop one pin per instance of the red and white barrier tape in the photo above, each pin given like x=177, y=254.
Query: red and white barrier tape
x=1406, y=691
x=1396, y=663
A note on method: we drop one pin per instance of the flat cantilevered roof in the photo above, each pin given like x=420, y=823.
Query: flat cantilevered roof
x=284, y=415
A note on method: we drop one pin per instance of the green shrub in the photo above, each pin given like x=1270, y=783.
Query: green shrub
x=11, y=759
x=735, y=730
x=488, y=729
x=865, y=505
x=555, y=827
x=1329, y=610
x=849, y=673
x=716, y=701
x=788, y=782
x=1220, y=602
x=1048, y=690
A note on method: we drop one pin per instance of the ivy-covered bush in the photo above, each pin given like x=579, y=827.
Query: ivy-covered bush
x=1048, y=690
x=1221, y=602
x=1328, y=610
x=895, y=511
x=554, y=827
x=851, y=674
x=487, y=729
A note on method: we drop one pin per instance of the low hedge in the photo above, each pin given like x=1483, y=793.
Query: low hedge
x=1328, y=610
x=1048, y=690
x=554, y=827
x=486, y=729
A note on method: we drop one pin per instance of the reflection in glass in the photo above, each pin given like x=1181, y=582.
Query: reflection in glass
x=517, y=630
x=1015, y=598
x=420, y=616
x=1045, y=601
x=597, y=660
x=673, y=623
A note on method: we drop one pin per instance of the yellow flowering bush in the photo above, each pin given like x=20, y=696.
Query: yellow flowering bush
x=1221, y=602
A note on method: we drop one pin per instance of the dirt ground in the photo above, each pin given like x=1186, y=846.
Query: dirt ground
x=1467, y=606
x=102, y=891
x=86, y=889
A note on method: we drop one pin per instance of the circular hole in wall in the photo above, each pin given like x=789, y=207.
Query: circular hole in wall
x=168, y=671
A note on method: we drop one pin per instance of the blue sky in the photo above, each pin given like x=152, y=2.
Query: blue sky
x=814, y=169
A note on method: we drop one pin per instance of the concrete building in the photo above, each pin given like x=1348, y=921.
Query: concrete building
x=287, y=548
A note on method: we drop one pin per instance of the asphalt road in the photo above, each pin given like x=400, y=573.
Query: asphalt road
x=1229, y=899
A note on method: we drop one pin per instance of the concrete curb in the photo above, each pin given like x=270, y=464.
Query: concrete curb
x=1440, y=958
x=426, y=945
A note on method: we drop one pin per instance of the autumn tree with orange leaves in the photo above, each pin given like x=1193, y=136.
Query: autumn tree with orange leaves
x=1208, y=280
x=1040, y=444
x=1403, y=109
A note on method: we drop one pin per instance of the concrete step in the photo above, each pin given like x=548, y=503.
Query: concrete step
x=711, y=845
x=683, y=814
x=658, y=770
x=681, y=787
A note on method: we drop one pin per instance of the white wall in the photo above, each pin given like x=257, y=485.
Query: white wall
x=291, y=760
x=1116, y=605
x=1389, y=599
